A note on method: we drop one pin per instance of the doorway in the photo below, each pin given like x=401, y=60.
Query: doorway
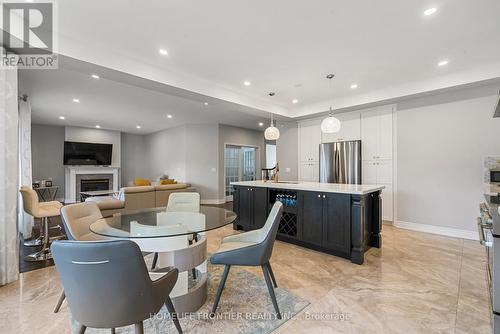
x=239, y=165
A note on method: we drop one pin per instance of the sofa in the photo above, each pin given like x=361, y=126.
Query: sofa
x=138, y=197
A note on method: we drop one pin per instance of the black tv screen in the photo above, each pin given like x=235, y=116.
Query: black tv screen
x=87, y=153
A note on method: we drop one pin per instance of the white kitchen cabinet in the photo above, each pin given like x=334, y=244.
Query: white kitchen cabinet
x=309, y=140
x=369, y=172
x=350, y=128
x=376, y=134
x=309, y=171
x=384, y=171
x=387, y=202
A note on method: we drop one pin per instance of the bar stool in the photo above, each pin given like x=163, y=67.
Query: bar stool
x=43, y=210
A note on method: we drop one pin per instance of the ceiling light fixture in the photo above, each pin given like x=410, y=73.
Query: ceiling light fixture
x=247, y=83
x=261, y=124
x=163, y=52
x=272, y=132
x=295, y=101
x=97, y=126
x=137, y=126
x=430, y=11
x=443, y=63
x=354, y=86
x=95, y=76
x=62, y=117
x=330, y=124
x=76, y=100
x=169, y=116
x=206, y=103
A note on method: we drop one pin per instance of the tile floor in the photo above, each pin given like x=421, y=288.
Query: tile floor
x=416, y=283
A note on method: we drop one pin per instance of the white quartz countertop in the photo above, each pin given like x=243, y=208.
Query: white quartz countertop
x=355, y=189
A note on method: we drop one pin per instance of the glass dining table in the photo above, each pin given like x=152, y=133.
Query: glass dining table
x=179, y=240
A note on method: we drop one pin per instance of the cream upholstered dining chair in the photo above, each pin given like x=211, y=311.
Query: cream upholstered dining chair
x=43, y=211
x=182, y=202
x=77, y=219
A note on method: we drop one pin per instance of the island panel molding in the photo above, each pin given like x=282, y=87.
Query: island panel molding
x=338, y=219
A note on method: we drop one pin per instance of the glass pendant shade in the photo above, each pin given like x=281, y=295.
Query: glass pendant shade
x=272, y=133
x=330, y=125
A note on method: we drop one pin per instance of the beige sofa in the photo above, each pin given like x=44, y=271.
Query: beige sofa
x=133, y=198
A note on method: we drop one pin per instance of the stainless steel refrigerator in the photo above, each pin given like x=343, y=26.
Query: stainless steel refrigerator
x=340, y=162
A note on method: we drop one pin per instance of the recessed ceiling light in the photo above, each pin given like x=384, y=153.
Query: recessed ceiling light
x=169, y=116
x=295, y=101
x=97, y=126
x=95, y=76
x=247, y=83
x=430, y=11
x=137, y=126
x=443, y=63
x=76, y=100
x=354, y=86
x=163, y=52
x=206, y=103
x=261, y=124
x=62, y=117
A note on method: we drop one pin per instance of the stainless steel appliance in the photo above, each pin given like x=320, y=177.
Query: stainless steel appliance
x=489, y=236
x=340, y=162
x=495, y=176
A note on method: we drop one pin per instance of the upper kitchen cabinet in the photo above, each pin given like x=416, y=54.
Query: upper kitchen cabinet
x=350, y=128
x=376, y=134
x=309, y=140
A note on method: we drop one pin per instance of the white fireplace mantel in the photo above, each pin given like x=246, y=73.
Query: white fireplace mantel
x=72, y=171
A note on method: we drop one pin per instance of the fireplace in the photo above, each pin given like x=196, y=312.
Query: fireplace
x=94, y=184
x=74, y=175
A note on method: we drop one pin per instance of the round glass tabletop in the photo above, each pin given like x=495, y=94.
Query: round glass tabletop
x=158, y=223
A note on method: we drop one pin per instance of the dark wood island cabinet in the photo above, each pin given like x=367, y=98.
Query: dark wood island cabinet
x=344, y=222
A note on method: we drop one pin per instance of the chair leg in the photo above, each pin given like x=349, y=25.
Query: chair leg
x=81, y=329
x=271, y=291
x=59, y=302
x=268, y=265
x=173, y=314
x=139, y=328
x=221, y=287
x=155, y=259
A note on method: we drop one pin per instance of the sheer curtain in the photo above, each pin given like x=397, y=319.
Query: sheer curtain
x=25, y=221
x=9, y=239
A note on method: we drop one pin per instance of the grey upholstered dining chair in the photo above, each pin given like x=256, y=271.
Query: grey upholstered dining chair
x=76, y=219
x=252, y=248
x=107, y=284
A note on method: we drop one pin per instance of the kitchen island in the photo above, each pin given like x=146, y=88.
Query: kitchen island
x=340, y=219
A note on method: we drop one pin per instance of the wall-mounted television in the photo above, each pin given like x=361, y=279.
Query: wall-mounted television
x=87, y=154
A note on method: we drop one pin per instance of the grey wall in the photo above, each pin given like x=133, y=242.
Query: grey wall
x=441, y=143
x=239, y=136
x=202, y=159
x=134, y=162
x=166, y=153
x=287, y=153
x=47, y=150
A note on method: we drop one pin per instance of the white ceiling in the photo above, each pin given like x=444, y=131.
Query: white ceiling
x=119, y=101
x=388, y=47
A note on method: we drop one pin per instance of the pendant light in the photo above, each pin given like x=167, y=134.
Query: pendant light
x=272, y=132
x=330, y=124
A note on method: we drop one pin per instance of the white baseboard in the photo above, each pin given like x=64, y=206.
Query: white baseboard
x=441, y=230
x=213, y=201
